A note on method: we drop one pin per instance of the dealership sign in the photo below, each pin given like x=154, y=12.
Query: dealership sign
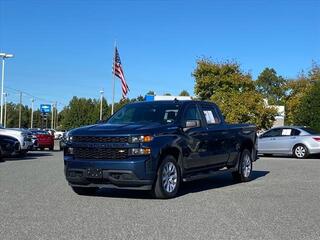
x=45, y=108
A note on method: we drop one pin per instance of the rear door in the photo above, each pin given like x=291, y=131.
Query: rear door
x=285, y=142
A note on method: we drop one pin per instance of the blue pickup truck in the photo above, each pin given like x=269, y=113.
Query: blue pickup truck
x=156, y=146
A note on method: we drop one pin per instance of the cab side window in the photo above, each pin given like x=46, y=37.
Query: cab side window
x=192, y=113
x=211, y=115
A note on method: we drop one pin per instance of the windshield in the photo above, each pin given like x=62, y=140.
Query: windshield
x=40, y=132
x=311, y=131
x=146, y=113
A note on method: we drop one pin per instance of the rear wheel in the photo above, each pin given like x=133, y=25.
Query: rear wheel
x=245, y=167
x=51, y=148
x=300, y=151
x=168, y=179
x=85, y=190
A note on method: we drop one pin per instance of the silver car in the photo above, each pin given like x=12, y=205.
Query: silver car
x=296, y=141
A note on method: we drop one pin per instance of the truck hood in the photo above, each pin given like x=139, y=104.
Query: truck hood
x=120, y=129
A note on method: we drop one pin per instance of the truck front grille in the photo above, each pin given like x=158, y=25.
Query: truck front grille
x=97, y=139
x=100, y=153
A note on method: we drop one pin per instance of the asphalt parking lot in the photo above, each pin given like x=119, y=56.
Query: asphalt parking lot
x=281, y=202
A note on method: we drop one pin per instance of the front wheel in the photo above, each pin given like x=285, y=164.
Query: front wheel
x=300, y=151
x=23, y=153
x=168, y=179
x=245, y=167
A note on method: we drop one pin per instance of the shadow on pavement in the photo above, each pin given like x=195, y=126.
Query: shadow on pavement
x=218, y=181
x=313, y=156
x=30, y=156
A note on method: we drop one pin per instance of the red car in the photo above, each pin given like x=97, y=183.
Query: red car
x=45, y=139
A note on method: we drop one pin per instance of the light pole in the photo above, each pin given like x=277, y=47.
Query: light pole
x=101, y=98
x=5, y=109
x=3, y=56
x=32, y=101
x=52, y=115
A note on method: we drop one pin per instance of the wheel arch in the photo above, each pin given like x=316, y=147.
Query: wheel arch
x=173, y=151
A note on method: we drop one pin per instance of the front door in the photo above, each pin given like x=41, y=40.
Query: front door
x=217, y=137
x=196, y=140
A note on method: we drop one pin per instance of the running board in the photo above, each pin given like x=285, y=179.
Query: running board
x=206, y=174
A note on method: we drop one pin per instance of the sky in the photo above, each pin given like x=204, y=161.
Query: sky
x=65, y=48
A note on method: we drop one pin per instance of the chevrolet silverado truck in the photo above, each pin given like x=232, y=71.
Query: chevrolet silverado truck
x=157, y=146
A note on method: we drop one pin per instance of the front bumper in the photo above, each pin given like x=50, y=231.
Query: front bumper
x=26, y=145
x=133, y=173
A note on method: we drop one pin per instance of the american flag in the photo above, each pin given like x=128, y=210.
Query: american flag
x=117, y=71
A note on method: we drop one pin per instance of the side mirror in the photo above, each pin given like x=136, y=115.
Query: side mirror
x=191, y=124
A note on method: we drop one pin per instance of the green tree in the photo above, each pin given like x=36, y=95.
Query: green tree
x=297, y=89
x=308, y=110
x=184, y=93
x=233, y=91
x=80, y=112
x=226, y=76
x=152, y=93
x=271, y=86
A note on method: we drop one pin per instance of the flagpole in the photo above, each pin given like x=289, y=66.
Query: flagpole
x=113, y=80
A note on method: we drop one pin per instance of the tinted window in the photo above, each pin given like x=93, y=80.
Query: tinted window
x=146, y=113
x=273, y=133
x=295, y=132
x=211, y=115
x=40, y=132
x=191, y=113
x=311, y=131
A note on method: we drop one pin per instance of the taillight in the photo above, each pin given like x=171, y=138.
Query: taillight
x=317, y=139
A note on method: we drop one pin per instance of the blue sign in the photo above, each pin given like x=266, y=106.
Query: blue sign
x=45, y=108
x=149, y=98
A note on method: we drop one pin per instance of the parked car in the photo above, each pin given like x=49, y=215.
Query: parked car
x=8, y=146
x=299, y=142
x=23, y=136
x=45, y=140
x=157, y=146
x=63, y=141
x=58, y=134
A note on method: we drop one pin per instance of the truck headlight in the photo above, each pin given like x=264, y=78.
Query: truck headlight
x=139, y=151
x=69, y=139
x=68, y=151
x=141, y=139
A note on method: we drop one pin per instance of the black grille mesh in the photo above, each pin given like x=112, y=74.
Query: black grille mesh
x=100, y=153
x=95, y=139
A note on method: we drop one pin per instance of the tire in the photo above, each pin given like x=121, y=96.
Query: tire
x=51, y=148
x=23, y=153
x=168, y=179
x=245, y=167
x=300, y=151
x=42, y=149
x=85, y=190
x=1, y=156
